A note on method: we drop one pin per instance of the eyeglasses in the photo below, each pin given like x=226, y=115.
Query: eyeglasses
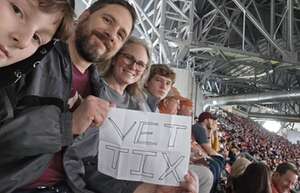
x=130, y=60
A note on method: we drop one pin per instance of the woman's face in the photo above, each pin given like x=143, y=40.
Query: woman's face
x=130, y=64
x=24, y=28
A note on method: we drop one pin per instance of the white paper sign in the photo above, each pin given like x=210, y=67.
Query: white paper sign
x=144, y=146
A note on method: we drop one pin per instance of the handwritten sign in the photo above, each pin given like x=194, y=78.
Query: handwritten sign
x=144, y=146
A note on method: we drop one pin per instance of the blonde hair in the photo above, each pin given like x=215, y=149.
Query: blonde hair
x=239, y=166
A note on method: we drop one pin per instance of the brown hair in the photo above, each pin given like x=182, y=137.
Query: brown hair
x=260, y=177
x=64, y=6
x=285, y=167
x=162, y=70
x=102, y=3
x=162, y=106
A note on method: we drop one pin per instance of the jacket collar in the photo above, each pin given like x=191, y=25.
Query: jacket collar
x=12, y=73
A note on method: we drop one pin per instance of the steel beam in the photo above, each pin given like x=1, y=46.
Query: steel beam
x=229, y=23
x=259, y=27
x=290, y=5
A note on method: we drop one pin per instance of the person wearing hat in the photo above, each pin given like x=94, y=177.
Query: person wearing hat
x=200, y=131
x=206, y=122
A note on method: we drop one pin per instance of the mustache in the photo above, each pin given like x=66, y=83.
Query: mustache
x=103, y=38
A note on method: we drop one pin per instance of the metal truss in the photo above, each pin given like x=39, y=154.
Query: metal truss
x=168, y=25
x=242, y=24
x=285, y=127
x=276, y=112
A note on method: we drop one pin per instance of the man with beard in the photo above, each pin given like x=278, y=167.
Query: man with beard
x=200, y=131
x=56, y=102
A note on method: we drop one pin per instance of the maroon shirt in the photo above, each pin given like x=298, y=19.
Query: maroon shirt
x=81, y=88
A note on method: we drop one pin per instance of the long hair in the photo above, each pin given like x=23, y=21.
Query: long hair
x=134, y=89
x=255, y=179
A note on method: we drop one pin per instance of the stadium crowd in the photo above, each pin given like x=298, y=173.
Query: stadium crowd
x=245, y=135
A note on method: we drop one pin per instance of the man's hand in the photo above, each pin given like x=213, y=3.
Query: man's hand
x=92, y=111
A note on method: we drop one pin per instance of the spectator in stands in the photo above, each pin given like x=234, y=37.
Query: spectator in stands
x=239, y=166
x=284, y=178
x=256, y=143
x=237, y=169
x=206, y=122
x=200, y=130
x=233, y=153
x=44, y=125
x=255, y=179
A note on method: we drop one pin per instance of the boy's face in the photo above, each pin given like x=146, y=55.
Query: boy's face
x=159, y=86
x=24, y=28
x=101, y=34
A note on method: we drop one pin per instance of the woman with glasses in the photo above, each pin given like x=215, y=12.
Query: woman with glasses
x=122, y=78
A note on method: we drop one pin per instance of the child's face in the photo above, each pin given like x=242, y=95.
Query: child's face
x=24, y=28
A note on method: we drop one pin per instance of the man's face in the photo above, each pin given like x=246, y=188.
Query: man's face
x=286, y=182
x=101, y=34
x=159, y=86
x=212, y=124
x=24, y=28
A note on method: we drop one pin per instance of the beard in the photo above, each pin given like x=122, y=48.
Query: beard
x=87, y=50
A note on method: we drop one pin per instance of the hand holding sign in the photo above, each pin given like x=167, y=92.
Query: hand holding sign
x=143, y=146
